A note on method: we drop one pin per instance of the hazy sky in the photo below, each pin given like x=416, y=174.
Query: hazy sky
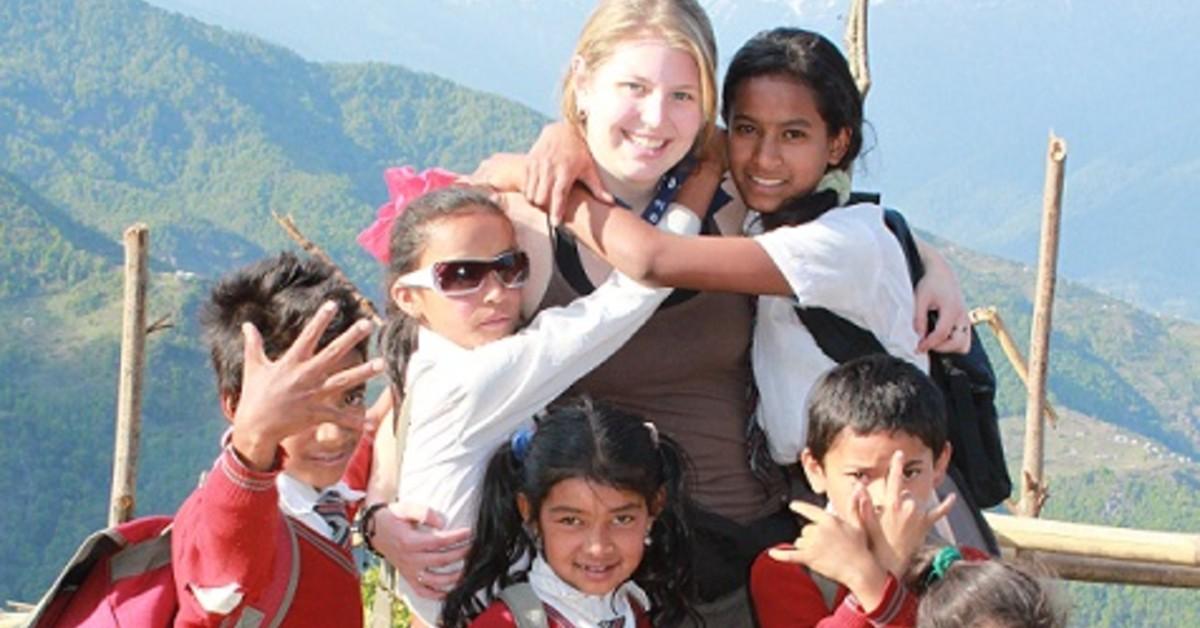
x=964, y=94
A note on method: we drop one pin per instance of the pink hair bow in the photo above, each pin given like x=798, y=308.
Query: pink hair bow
x=404, y=184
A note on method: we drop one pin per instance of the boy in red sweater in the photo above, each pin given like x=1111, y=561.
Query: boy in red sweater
x=265, y=539
x=876, y=447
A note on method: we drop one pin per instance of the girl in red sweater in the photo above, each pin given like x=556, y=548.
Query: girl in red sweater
x=582, y=524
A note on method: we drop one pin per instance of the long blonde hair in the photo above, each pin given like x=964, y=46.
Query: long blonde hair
x=682, y=24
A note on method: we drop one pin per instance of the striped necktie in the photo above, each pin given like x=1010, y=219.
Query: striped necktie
x=332, y=507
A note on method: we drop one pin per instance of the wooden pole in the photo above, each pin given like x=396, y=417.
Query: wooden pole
x=856, y=46
x=129, y=388
x=1033, y=488
x=1094, y=541
x=289, y=227
x=1106, y=571
x=991, y=316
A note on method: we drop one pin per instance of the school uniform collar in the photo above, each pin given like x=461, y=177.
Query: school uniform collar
x=581, y=609
x=297, y=500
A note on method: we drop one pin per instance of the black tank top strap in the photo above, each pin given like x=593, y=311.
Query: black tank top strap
x=570, y=265
x=566, y=258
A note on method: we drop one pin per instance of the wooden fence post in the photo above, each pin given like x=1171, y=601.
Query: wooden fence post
x=1033, y=488
x=129, y=388
x=856, y=46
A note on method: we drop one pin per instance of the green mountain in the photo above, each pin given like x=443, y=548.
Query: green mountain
x=121, y=112
x=58, y=399
x=41, y=248
x=112, y=112
x=1108, y=359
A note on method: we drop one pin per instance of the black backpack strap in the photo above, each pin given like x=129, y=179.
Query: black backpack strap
x=896, y=223
x=837, y=337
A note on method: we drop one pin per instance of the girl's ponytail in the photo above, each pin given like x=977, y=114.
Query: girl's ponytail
x=397, y=343
x=500, y=540
x=666, y=570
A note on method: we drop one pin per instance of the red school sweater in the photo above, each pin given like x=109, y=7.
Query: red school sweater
x=785, y=596
x=230, y=532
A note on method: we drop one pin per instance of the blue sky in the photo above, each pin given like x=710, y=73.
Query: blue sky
x=964, y=95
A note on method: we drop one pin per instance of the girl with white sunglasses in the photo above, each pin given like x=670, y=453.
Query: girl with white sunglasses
x=469, y=371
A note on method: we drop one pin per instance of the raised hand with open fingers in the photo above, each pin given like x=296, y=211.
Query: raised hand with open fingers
x=898, y=527
x=300, y=389
x=838, y=549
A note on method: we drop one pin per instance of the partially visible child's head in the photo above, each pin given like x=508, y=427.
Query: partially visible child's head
x=598, y=493
x=963, y=593
x=859, y=414
x=793, y=112
x=454, y=268
x=279, y=295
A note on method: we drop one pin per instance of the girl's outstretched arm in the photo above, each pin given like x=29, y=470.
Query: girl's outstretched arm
x=649, y=255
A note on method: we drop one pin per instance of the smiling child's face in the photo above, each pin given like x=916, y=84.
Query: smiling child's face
x=593, y=534
x=862, y=460
x=779, y=144
x=318, y=455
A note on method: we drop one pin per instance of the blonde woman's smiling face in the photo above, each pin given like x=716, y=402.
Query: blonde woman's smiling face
x=642, y=112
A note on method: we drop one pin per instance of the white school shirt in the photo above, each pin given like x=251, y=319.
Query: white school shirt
x=848, y=262
x=584, y=610
x=298, y=500
x=464, y=403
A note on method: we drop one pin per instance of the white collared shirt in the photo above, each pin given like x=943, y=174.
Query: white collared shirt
x=848, y=262
x=464, y=403
x=297, y=500
x=582, y=609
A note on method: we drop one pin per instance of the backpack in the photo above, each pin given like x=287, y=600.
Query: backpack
x=967, y=383
x=123, y=577
x=524, y=605
x=119, y=576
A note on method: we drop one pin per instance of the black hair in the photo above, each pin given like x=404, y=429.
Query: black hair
x=871, y=394
x=278, y=295
x=811, y=60
x=406, y=242
x=984, y=594
x=598, y=442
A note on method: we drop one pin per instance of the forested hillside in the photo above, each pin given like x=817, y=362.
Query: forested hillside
x=112, y=112
x=120, y=112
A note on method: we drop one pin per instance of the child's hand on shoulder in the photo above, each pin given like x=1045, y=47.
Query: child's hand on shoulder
x=901, y=525
x=301, y=389
x=838, y=549
x=558, y=159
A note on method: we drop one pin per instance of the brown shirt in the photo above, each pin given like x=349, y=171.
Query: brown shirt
x=688, y=370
